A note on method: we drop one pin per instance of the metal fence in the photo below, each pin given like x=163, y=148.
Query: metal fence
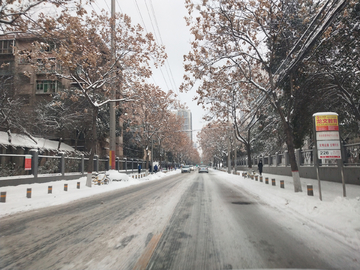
x=329, y=169
x=61, y=164
x=350, y=155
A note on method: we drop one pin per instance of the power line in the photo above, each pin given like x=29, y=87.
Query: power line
x=167, y=65
x=144, y=25
x=117, y=2
x=151, y=21
x=142, y=19
x=107, y=5
x=157, y=35
x=91, y=4
x=157, y=39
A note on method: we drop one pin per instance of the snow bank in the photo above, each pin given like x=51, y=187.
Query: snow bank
x=16, y=200
x=335, y=214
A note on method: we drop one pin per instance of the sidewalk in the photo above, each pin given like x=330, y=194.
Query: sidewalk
x=335, y=214
x=17, y=201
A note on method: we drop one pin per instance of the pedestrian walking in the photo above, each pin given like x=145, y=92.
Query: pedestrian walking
x=260, y=167
x=139, y=168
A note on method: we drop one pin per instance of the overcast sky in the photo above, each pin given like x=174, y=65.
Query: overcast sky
x=165, y=19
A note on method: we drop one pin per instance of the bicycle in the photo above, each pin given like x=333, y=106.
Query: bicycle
x=101, y=180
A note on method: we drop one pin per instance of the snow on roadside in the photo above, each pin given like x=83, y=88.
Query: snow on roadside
x=335, y=214
x=16, y=200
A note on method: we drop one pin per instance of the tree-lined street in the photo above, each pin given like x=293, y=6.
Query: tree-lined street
x=259, y=72
x=184, y=221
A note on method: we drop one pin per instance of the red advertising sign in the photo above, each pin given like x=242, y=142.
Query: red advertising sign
x=28, y=163
x=326, y=122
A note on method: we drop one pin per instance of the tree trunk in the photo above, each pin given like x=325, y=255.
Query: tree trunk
x=147, y=158
x=235, y=158
x=93, y=141
x=292, y=160
x=289, y=140
x=160, y=155
x=248, y=151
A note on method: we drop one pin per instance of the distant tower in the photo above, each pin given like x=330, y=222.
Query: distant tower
x=187, y=115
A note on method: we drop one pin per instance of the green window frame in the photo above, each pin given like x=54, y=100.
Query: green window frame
x=46, y=87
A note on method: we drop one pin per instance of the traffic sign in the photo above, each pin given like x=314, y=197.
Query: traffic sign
x=328, y=145
x=329, y=154
x=327, y=135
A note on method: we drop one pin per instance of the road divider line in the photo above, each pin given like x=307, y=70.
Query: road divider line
x=146, y=255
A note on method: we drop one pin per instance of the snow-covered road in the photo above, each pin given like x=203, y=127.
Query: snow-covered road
x=181, y=221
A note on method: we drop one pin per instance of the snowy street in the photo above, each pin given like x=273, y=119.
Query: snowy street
x=181, y=221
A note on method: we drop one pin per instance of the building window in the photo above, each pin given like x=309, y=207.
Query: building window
x=48, y=66
x=24, y=58
x=6, y=46
x=48, y=47
x=46, y=87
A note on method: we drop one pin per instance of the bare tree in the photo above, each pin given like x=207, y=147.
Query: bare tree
x=242, y=37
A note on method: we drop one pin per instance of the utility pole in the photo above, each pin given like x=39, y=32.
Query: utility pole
x=112, y=151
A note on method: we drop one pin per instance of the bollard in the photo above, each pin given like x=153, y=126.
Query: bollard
x=252, y=177
x=261, y=178
x=78, y=185
x=310, y=191
x=266, y=180
x=256, y=177
x=273, y=182
x=282, y=184
x=99, y=182
x=49, y=189
x=65, y=187
x=3, y=196
x=28, y=193
x=132, y=176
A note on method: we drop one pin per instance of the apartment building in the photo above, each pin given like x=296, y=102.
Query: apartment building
x=32, y=81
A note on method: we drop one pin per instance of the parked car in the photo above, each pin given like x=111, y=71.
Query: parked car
x=185, y=168
x=203, y=168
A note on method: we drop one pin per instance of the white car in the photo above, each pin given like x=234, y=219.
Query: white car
x=185, y=168
x=203, y=168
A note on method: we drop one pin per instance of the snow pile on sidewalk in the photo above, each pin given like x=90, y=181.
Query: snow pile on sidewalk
x=17, y=201
x=337, y=214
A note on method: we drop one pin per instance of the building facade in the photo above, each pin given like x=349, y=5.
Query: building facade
x=187, y=126
x=33, y=81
